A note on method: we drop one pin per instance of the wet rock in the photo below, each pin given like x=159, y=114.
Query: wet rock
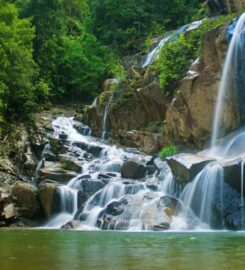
x=70, y=163
x=58, y=146
x=161, y=227
x=189, y=117
x=30, y=163
x=95, y=150
x=88, y=156
x=81, y=199
x=71, y=225
x=91, y=186
x=49, y=156
x=63, y=136
x=55, y=172
x=169, y=203
x=106, y=176
x=133, y=169
x=46, y=195
x=232, y=173
x=76, y=151
x=82, y=129
x=26, y=198
x=86, y=176
x=152, y=187
x=49, y=128
x=106, y=218
x=186, y=166
x=151, y=169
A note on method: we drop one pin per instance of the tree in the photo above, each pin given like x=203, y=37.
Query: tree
x=17, y=68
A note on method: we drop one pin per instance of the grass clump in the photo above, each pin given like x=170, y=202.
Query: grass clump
x=168, y=151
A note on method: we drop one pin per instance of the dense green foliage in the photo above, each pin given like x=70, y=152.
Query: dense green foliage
x=63, y=50
x=122, y=24
x=168, y=151
x=70, y=60
x=17, y=68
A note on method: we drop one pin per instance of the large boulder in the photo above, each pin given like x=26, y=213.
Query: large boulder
x=133, y=169
x=46, y=192
x=186, y=166
x=93, y=149
x=91, y=186
x=145, y=141
x=70, y=163
x=26, y=198
x=55, y=171
x=189, y=118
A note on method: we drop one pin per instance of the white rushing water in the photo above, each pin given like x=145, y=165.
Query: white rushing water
x=143, y=204
x=226, y=79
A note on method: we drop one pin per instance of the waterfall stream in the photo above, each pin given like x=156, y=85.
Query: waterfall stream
x=102, y=197
x=231, y=64
x=116, y=202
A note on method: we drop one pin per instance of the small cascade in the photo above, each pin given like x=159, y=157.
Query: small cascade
x=100, y=197
x=229, y=76
x=105, y=118
x=199, y=195
x=152, y=55
x=39, y=165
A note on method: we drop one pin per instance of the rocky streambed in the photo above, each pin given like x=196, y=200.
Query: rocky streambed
x=56, y=175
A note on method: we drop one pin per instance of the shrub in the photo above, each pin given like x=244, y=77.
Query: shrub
x=168, y=151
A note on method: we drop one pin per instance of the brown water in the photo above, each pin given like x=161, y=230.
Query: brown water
x=69, y=250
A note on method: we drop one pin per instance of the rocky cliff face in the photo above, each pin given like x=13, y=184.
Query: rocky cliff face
x=132, y=107
x=187, y=119
x=190, y=115
x=224, y=6
x=234, y=5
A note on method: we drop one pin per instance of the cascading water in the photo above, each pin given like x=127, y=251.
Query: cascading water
x=232, y=69
x=100, y=198
x=107, y=107
x=199, y=194
x=152, y=55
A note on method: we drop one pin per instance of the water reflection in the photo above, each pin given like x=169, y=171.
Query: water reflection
x=59, y=250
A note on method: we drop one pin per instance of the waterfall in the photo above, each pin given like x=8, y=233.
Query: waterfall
x=152, y=55
x=199, y=194
x=105, y=118
x=229, y=74
x=100, y=198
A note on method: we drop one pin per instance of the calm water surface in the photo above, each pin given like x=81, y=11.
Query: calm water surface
x=69, y=250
